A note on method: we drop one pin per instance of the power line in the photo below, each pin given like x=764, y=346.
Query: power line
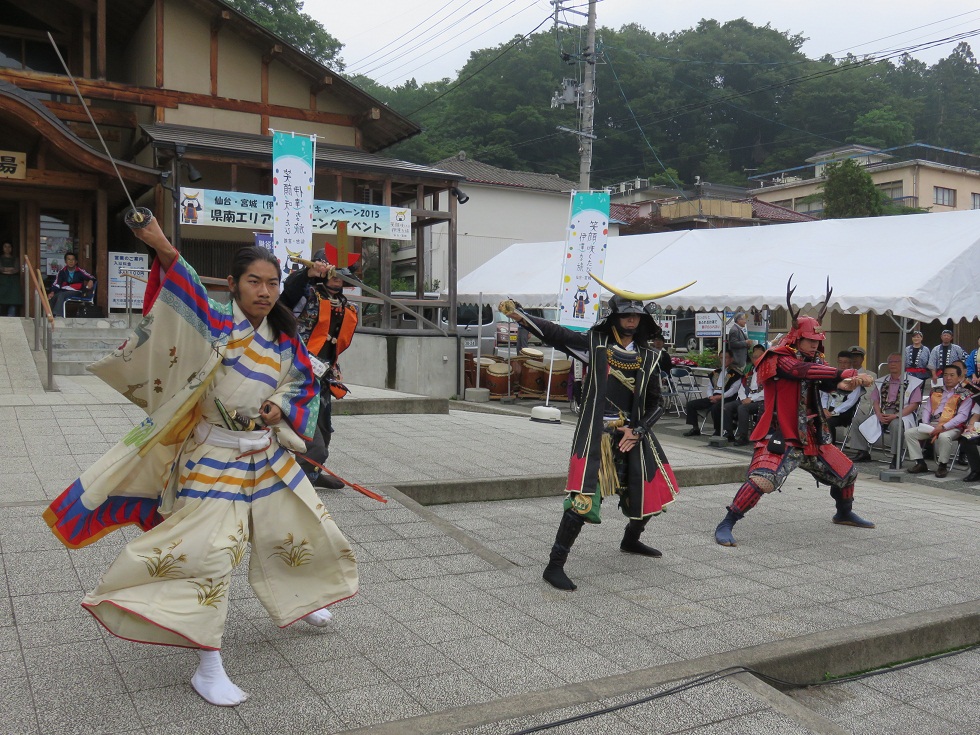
x=417, y=25
x=461, y=82
x=378, y=64
x=398, y=70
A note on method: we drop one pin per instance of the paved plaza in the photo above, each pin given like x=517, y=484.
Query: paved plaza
x=453, y=629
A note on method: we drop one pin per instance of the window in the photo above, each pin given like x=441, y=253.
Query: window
x=944, y=196
x=976, y=200
x=892, y=189
x=787, y=203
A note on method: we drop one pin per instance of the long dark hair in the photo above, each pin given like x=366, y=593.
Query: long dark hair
x=280, y=318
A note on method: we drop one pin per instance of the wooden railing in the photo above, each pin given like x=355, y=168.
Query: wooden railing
x=42, y=332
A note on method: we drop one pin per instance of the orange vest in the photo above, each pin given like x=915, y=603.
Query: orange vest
x=321, y=332
x=951, y=407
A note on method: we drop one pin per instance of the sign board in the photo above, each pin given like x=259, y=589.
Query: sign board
x=758, y=326
x=584, y=253
x=707, y=324
x=127, y=262
x=666, y=322
x=13, y=165
x=246, y=211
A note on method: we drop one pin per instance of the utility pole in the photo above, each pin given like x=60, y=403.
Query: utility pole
x=588, y=105
x=582, y=95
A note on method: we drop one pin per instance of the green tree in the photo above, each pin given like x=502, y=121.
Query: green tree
x=286, y=18
x=882, y=128
x=850, y=192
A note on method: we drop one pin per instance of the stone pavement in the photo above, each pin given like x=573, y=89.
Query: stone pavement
x=457, y=640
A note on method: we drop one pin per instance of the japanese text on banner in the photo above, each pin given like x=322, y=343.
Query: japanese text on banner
x=585, y=252
x=292, y=194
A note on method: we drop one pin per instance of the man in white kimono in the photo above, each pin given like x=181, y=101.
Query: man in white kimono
x=230, y=395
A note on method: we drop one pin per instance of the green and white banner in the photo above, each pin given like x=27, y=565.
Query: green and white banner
x=292, y=194
x=584, y=253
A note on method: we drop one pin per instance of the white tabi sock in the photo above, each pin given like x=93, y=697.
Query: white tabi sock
x=212, y=683
x=319, y=618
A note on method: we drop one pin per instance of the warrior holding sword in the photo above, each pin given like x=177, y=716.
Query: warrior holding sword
x=614, y=451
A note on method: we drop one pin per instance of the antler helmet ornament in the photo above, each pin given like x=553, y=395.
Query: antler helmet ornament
x=805, y=327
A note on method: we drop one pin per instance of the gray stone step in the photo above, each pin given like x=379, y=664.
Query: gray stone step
x=71, y=344
x=113, y=322
x=80, y=342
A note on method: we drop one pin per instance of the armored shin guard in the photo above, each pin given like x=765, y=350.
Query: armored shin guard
x=554, y=573
x=631, y=543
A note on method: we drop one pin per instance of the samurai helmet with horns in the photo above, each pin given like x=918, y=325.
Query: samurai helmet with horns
x=805, y=327
x=625, y=303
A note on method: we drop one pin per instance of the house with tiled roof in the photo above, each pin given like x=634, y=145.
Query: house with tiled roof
x=498, y=207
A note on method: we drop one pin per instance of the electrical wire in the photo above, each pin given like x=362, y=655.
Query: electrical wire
x=417, y=25
x=398, y=71
x=732, y=671
x=461, y=82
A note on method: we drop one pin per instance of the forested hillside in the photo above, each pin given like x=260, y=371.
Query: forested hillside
x=717, y=101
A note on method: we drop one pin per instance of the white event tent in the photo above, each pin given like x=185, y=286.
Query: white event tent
x=921, y=267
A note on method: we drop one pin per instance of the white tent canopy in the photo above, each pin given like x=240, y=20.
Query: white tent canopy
x=922, y=267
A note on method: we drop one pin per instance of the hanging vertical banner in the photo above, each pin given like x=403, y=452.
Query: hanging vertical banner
x=585, y=252
x=292, y=195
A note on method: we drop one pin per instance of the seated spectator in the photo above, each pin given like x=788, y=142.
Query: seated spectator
x=884, y=404
x=71, y=281
x=750, y=401
x=971, y=366
x=839, y=406
x=857, y=354
x=944, y=414
x=945, y=354
x=917, y=357
x=970, y=444
x=664, y=363
x=725, y=381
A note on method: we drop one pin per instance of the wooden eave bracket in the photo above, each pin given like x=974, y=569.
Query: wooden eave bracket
x=275, y=51
x=369, y=115
x=320, y=84
x=219, y=20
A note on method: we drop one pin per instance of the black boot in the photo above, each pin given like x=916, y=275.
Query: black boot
x=554, y=573
x=723, y=533
x=631, y=540
x=847, y=517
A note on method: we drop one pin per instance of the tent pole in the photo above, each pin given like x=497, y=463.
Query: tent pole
x=720, y=441
x=895, y=473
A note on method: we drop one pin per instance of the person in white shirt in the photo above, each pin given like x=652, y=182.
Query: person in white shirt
x=884, y=404
x=839, y=406
x=725, y=381
x=750, y=401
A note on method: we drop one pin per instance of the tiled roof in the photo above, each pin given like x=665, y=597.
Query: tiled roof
x=776, y=213
x=624, y=214
x=484, y=173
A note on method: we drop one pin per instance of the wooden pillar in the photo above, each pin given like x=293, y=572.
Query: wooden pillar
x=451, y=259
x=420, y=245
x=87, y=45
x=264, y=118
x=100, y=39
x=159, y=49
x=384, y=264
x=233, y=170
x=32, y=242
x=214, y=59
x=86, y=256
x=101, y=256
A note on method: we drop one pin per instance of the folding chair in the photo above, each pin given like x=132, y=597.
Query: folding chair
x=85, y=296
x=669, y=395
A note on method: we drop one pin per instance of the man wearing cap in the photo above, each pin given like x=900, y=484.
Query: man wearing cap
x=326, y=324
x=738, y=341
x=614, y=450
x=945, y=354
x=917, y=358
x=944, y=414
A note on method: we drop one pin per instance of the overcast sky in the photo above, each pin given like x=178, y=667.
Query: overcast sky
x=381, y=39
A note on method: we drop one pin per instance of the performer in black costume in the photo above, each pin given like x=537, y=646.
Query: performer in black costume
x=614, y=450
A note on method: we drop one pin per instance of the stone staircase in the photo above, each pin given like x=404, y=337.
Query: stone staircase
x=80, y=342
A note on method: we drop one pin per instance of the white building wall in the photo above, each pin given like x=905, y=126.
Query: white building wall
x=495, y=218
